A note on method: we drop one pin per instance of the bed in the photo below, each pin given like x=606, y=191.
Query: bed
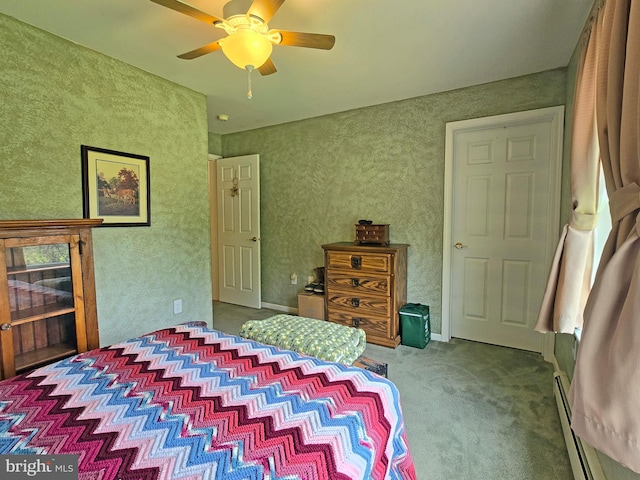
x=189, y=402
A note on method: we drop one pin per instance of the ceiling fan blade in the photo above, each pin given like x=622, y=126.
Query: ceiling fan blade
x=268, y=67
x=181, y=7
x=265, y=9
x=309, y=40
x=198, y=52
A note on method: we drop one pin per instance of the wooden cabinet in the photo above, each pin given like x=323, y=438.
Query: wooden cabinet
x=47, y=292
x=365, y=287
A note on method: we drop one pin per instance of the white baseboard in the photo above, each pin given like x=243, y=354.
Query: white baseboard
x=280, y=308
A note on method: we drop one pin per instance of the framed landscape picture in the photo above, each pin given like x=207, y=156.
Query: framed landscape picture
x=115, y=187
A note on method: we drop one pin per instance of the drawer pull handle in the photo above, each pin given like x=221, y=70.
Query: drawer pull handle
x=355, y=321
x=355, y=302
x=355, y=282
x=356, y=262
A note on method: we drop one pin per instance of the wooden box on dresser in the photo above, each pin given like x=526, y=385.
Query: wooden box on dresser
x=47, y=292
x=365, y=287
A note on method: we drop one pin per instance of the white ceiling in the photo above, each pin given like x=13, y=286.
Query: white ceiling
x=385, y=50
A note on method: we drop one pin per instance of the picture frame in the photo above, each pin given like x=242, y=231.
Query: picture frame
x=115, y=187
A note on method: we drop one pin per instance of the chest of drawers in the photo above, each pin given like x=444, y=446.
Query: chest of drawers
x=365, y=287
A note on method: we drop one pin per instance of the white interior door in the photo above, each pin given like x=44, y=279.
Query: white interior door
x=238, y=193
x=503, y=225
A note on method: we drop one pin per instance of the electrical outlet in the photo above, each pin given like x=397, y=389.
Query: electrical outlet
x=177, y=306
x=294, y=279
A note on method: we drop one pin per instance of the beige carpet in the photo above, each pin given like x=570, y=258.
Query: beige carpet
x=472, y=411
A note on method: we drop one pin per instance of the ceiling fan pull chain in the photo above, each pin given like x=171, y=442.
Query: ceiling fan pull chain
x=249, y=70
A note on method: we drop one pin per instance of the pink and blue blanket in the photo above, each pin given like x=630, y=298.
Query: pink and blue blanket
x=189, y=402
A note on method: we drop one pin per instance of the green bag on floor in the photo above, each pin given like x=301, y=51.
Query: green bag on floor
x=415, y=326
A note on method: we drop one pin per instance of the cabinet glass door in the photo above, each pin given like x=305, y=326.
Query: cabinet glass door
x=44, y=290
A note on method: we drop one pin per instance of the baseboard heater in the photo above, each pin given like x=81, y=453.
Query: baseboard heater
x=584, y=459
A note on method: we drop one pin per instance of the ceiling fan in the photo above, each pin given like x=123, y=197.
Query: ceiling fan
x=249, y=41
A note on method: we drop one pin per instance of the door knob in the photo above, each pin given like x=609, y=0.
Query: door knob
x=254, y=239
x=5, y=326
x=460, y=245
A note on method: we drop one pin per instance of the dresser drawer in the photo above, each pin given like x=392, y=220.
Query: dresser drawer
x=355, y=284
x=377, y=327
x=359, y=304
x=361, y=262
x=365, y=285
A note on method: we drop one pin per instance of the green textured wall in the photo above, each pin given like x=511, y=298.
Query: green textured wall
x=56, y=96
x=215, y=143
x=384, y=163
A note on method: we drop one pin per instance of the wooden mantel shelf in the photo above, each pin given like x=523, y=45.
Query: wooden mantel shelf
x=27, y=227
x=73, y=222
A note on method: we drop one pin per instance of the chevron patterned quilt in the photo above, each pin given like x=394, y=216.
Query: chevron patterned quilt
x=188, y=402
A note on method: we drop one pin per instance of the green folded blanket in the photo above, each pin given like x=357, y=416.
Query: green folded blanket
x=317, y=338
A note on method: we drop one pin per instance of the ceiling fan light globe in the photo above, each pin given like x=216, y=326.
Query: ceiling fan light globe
x=246, y=47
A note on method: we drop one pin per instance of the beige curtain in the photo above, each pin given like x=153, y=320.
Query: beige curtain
x=605, y=392
x=570, y=277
